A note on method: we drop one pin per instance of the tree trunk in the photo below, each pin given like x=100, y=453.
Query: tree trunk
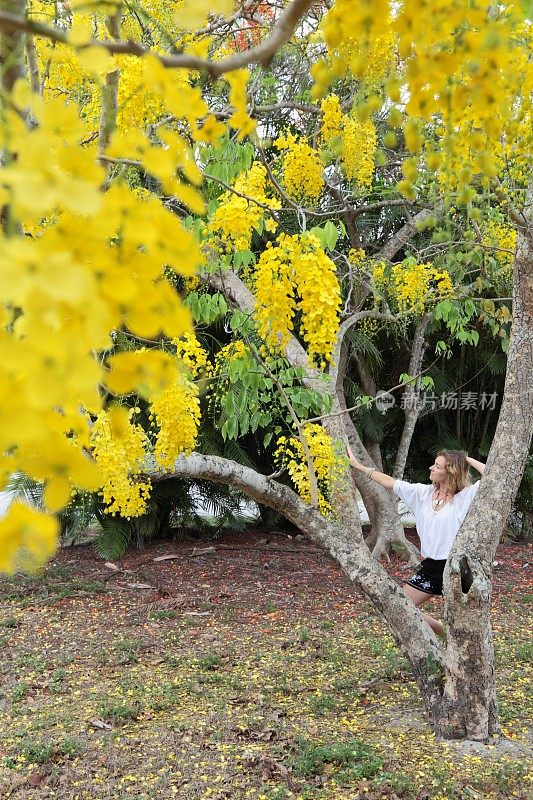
x=412, y=396
x=468, y=704
x=12, y=44
x=380, y=503
x=109, y=111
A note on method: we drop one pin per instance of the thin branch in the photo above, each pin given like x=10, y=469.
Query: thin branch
x=261, y=54
x=33, y=65
x=519, y=217
x=127, y=162
x=273, y=180
x=234, y=191
x=372, y=400
x=288, y=105
x=369, y=207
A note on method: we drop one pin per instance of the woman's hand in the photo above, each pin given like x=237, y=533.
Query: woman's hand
x=353, y=461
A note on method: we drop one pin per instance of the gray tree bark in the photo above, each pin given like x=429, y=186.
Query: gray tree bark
x=457, y=688
x=468, y=704
x=412, y=395
x=12, y=46
x=108, y=114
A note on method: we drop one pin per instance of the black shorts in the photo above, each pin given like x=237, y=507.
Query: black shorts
x=428, y=579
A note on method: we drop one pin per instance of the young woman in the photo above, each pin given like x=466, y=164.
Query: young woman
x=439, y=509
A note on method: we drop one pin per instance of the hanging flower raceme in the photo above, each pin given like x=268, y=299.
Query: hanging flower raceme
x=354, y=141
x=192, y=355
x=175, y=413
x=328, y=465
x=296, y=275
x=303, y=170
x=412, y=286
x=119, y=447
x=466, y=63
x=236, y=218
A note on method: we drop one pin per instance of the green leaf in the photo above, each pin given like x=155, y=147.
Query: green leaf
x=236, y=320
x=320, y=234
x=232, y=427
x=332, y=234
x=229, y=404
x=244, y=423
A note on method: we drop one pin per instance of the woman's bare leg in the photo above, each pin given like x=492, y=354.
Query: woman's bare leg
x=419, y=598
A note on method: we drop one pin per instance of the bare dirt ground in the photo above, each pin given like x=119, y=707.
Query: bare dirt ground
x=243, y=667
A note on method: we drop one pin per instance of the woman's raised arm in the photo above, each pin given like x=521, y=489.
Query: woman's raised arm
x=371, y=472
x=478, y=465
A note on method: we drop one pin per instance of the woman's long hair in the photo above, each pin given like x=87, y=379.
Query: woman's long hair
x=456, y=469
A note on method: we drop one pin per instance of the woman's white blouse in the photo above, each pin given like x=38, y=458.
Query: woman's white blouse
x=436, y=529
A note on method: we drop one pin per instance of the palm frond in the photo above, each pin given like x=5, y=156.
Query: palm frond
x=114, y=538
x=26, y=488
x=361, y=343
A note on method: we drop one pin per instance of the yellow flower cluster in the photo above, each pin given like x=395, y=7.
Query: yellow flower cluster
x=274, y=288
x=359, y=39
x=240, y=118
x=463, y=61
x=297, y=274
x=230, y=352
x=236, y=218
x=141, y=99
x=327, y=464
x=28, y=536
x=417, y=286
x=359, y=144
x=303, y=169
x=353, y=139
x=96, y=265
x=332, y=118
x=176, y=413
x=356, y=257
x=193, y=14
x=503, y=238
x=119, y=448
x=193, y=356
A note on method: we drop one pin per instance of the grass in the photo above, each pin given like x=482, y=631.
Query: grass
x=118, y=713
x=10, y=622
x=346, y=761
